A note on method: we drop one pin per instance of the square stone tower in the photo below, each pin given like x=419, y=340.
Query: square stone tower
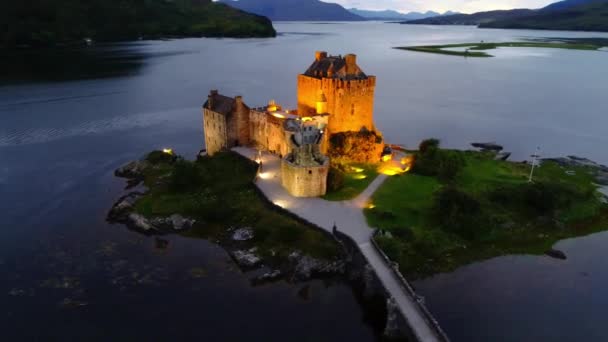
x=337, y=85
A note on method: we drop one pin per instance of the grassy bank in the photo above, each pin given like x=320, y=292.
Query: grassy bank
x=355, y=178
x=488, y=209
x=219, y=192
x=477, y=49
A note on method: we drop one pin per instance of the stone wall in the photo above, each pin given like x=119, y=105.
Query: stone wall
x=267, y=133
x=349, y=102
x=304, y=181
x=215, y=127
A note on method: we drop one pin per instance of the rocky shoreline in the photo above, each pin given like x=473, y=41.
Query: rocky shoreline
x=239, y=242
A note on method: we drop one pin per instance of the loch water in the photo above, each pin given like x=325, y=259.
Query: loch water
x=68, y=121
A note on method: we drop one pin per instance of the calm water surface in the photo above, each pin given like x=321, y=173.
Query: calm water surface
x=67, y=273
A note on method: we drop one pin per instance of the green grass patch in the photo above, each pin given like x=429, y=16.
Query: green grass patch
x=357, y=177
x=476, y=49
x=494, y=211
x=218, y=191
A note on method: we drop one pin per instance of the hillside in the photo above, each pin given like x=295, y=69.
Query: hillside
x=472, y=19
x=394, y=15
x=586, y=17
x=50, y=23
x=295, y=10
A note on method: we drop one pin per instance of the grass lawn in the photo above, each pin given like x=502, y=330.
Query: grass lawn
x=218, y=191
x=357, y=178
x=403, y=208
x=476, y=49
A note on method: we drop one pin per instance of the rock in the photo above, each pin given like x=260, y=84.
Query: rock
x=557, y=254
x=305, y=266
x=140, y=222
x=242, y=234
x=246, y=258
x=174, y=222
x=134, y=169
x=267, y=277
x=180, y=223
x=487, y=146
x=123, y=207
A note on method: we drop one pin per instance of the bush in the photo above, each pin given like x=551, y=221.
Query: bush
x=450, y=165
x=157, y=157
x=362, y=147
x=427, y=144
x=335, y=179
x=457, y=211
x=186, y=177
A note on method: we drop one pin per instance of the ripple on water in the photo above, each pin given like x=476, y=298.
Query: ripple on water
x=28, y=136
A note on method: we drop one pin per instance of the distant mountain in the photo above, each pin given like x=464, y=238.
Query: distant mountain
x=588, y=16
x=584, y=15
x=473, y=19
x=295, y=10
x=394, y=15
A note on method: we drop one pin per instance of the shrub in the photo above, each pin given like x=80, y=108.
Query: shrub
x=457, y=211
x=427, y=144
x=157, y=157
x=363, y=146
x=450, y=165
x=185, y=177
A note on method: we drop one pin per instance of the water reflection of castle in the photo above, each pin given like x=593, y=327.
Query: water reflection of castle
x=334, y=95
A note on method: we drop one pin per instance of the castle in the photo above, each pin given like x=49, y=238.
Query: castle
x=334, y=96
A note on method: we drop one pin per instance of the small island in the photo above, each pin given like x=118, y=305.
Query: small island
x=477, y=49
x=316, y=191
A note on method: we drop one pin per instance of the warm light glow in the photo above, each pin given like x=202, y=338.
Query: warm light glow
x=387, y=157
x=357, y=169
x=168, y=151
x=277, y=115
x=265, y=175
x=370, y=206
x=280, y=203
x=360, y=177
x=306, y=118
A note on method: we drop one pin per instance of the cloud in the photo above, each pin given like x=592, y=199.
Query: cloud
x=465, y=6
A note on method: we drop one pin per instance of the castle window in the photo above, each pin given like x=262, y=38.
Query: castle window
x=310, y=172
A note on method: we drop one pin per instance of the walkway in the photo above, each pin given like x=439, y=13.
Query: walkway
x=349, y=219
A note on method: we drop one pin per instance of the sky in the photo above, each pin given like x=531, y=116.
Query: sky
x=464, y=6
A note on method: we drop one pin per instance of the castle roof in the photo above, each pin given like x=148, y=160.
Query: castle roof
x=220, y=103
x=326, y=66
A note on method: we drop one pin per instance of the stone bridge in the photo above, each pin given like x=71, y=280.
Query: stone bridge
x=349, y=219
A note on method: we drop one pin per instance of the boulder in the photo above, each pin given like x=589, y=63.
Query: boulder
x=123, y=207
x=140, y=222
x=267, y=277
x=242, y=234
x=557, y=254
x=305, y=266
x=134, y=169
x=174, y=222
x=246, y=258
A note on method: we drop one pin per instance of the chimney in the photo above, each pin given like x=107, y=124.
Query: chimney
x=212, y=94
x=319, y=55
x=351, y=63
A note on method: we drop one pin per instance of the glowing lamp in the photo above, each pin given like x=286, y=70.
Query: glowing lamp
x=387, y=157
x=168, y=151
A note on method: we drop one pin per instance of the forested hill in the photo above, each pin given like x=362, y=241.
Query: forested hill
x=56, y=22
x=296, y=10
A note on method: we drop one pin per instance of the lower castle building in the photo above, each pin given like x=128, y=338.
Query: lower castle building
x=334, y=96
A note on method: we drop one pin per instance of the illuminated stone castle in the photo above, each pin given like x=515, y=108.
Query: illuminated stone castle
x=334, y=96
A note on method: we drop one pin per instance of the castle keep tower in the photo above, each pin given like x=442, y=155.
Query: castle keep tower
x=348, y=93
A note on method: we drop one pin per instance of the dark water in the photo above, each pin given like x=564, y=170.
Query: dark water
x=68, y=275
